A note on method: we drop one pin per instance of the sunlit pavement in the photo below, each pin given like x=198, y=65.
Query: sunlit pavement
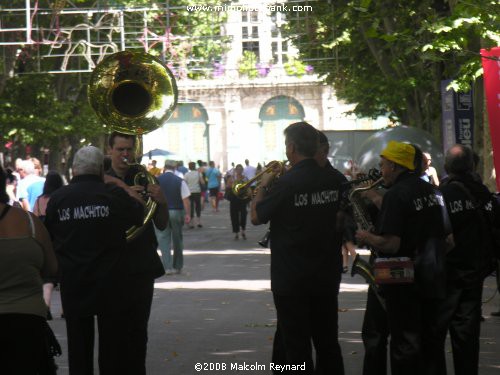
x=219, y=314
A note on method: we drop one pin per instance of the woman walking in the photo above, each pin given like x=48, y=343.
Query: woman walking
x=194, y=180
x=237, y=206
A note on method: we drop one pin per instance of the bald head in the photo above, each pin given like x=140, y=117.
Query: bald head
x=459, y=160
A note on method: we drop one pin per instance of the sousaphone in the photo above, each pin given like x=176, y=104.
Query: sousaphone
x=133, y=93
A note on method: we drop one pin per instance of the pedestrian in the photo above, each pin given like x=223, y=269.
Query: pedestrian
x=12, y=188
x=249, y=172
x=214, y=178
x=53, y=181
x=29, y=177
x=410, y=226
x=26, y=255
x=429, y=173
x=467, y=263
x=177, y=194
x=88, y=220
x=194, y=180
x=237, y=206
x=181, y=168
x=154, y=170
x=302, y=208
x=202, y=167
x=142, y=260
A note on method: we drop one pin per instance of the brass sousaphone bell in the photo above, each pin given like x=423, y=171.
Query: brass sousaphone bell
x=133, y=93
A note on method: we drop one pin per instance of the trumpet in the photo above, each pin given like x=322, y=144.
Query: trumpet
x=243, y=190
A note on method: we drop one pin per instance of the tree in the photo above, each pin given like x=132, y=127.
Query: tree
x=51, y=110
x=389, y=57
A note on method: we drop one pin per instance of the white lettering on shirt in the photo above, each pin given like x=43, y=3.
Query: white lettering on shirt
x=90, y=212
x=316, y=198
x=83, y=212
x=430, y=200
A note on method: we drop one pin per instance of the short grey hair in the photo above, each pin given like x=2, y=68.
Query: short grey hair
x=27, y=166
x=88, y=160
x=170, y=164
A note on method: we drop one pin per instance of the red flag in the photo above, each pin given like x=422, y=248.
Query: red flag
x=491, y=67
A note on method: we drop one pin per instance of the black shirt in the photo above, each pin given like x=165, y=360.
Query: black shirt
x=467, y=260
x=87, y=220
x=302, y=207
x=142, y=256
x=412, y=210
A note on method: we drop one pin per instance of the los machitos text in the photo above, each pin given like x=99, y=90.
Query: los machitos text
x=83, y=212
x=316, y=198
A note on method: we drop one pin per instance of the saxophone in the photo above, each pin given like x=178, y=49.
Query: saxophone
x=363, y=221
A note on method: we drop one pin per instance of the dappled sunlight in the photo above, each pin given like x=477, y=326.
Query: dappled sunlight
x=353, y=287
x=233, y=352
x=256, y=251
x=248, y=285
x=233, y=334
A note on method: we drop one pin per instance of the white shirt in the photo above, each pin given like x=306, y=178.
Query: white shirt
x=249, y=172
x=192, y=179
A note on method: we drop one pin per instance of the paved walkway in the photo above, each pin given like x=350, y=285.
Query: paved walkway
x=219, y=312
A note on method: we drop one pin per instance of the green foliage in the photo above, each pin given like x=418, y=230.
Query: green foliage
x=294, y=67
x=30, y=113
x=247, y=64
x=388, y=57
x=52, y=110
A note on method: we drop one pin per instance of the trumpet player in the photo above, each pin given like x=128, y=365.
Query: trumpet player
x=305, y=273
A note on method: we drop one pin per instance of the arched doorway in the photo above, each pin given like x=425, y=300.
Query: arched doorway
x=275, y=115
x=184, y=134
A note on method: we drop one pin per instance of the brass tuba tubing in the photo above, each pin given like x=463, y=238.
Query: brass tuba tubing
x=133, y=93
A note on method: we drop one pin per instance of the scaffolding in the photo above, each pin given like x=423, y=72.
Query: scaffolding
x=64, y=38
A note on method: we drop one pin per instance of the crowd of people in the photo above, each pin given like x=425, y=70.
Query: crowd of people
x=432, y=244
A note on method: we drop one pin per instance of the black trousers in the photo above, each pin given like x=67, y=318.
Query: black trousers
x=111, y=338
x=140, y=298
x=304, y=321
x=460, y=314
x=23, y=349
x=375, y=333
x=238, y=212
x=195, y=199
x=411, y=318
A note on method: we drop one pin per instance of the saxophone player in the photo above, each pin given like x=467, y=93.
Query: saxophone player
x=411, y=217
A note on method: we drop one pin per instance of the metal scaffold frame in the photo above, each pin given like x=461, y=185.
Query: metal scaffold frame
x=77, y=46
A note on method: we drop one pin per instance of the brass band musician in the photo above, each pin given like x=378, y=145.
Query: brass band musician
x=409, y=221
x=301, y=207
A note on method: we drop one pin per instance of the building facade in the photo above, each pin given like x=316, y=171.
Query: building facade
x=241, y=114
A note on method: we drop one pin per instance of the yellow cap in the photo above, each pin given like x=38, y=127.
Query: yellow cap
x=400, y=153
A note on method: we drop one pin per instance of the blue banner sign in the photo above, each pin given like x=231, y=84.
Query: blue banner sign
x=457, y=117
